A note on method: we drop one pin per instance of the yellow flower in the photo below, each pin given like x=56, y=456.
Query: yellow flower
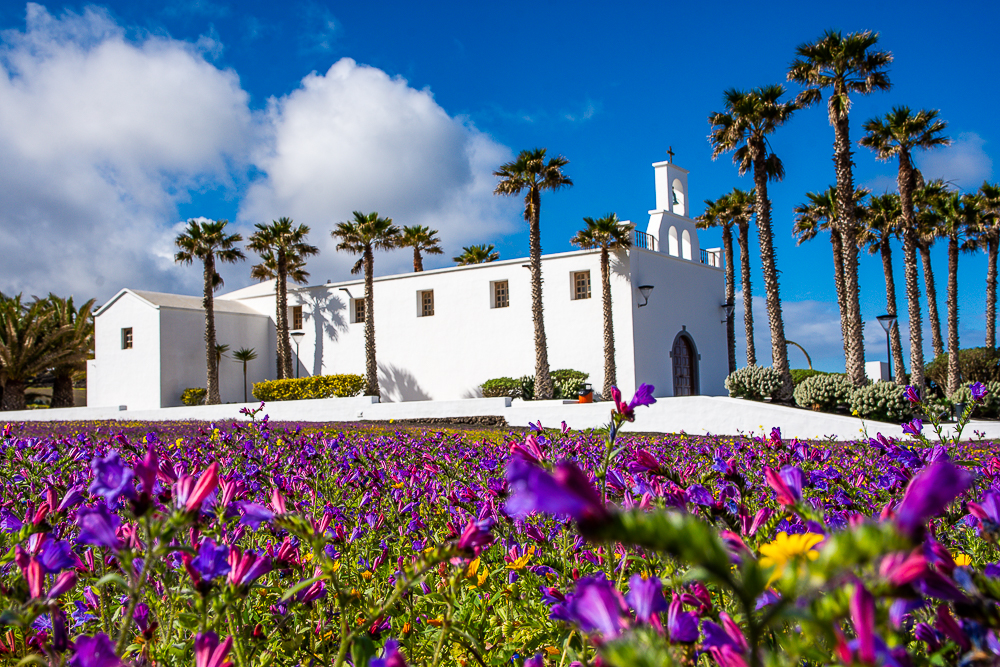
x=521, y=562
x=551, y=650
x=962, y=560
x=367, y=575
x=470, y=572
x=788, y=547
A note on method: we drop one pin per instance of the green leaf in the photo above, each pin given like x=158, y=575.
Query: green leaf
x=300, y=586
x=362, y=650
x=112, y=577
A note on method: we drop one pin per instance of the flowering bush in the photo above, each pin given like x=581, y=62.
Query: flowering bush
x=753, y=382
x=317, y=386
x=194, y=396
x=824, y=392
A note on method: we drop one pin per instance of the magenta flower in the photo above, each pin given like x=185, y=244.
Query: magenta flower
x=97, y=651
x=209, y=652
x=913, y=428
x=476, y=536
x=597, y=607
x=391, y=657
x=646, y=597
x=564, y=492
x=112, y=478
x=205, y=485
x=681, y=625
x=643, y=396
x=787, y=484
x=988, y=508
x=63, y=583
x=146, y=470
x=530, y=450
x=911, y=394
x=247, y=568
x=862, y=608
x=929, y=493
x=978, y=390
x=97, y=526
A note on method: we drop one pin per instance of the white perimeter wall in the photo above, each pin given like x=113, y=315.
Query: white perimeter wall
x=685, y=294
x=126, y=377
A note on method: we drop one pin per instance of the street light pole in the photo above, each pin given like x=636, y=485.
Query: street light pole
x=297, y=335
x=887, y=322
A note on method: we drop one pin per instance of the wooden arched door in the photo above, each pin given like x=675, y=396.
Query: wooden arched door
x=683, y=356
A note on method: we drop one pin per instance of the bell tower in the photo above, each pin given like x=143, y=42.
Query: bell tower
x=670, y=221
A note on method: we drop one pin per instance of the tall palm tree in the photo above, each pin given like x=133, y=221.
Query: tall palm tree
x=82, y=341
x=898, y=134
x=283, y=250
x=208, y=241
x=30, y=343
x=960, y=216
x=607, y=233
x=844, y=65
x=881, y=226
x=742, y=207
x=717, y=215
x=476, y=254
x=927, y=200
x=362, y=236
x=821, y=213
x=422, y=240
x=531, y=174
x=750, y=116
x=244, y=355
x=988, y=236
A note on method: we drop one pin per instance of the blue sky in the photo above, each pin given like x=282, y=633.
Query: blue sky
x=121, y=119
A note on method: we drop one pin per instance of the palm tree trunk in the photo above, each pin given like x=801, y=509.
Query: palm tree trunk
x=954, y=378
x=244, y=382
x=284, y=344
x=850, y=315
x=837, y=244
x=212, y=396
x=744, y=241
x=13, y=395
x=991, y=292
x=62, y=390
x=543, y=381
x=371, y=366
x=418, y=261
x=610, y=375
x=937, y=344
x=895, y=344
x=727, y=249
x=779, y=347
x=905, y=182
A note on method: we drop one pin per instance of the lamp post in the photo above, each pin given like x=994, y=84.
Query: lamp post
x=297, y=335
x=727, y=308
x=887, y=322
x=644, y=290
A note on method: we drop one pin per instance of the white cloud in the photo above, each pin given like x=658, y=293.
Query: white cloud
x=964, y=163
x=355, y=139
x=100, y=136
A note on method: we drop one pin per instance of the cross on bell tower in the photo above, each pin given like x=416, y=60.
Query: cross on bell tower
x=670, y=153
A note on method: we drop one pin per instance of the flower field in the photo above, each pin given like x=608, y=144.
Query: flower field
x=252, y=543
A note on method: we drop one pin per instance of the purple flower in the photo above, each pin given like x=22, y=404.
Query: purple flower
x=597, y=607
x=565, y=492
x=929, y=493
x=643, y=396
x=787, y=484
x=9, y=523
x=391, y=657
x=862, y=607
x=682, y=625
x=212, y=561
x=56, y=556
x=73, y=497
x=535, y=661
x=248, y=567
x=253, y=514
x=209, y=652
x=112, y=478
x=699, y=495
x=97, y=651
x=913, y=428
x=911, y=394
x=646, y=597
x=978, y=390
x=476, y=536
x=97, y=526
x=989, y=509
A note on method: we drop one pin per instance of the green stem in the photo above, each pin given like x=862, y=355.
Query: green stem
x=237, y=640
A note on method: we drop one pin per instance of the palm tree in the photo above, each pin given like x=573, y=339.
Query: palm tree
x=898, y=134
x=243, y=355
x=531, y=174
x=844, y=65
x=82, y=341
x=960, y=215
x=717, y=215
x=927, y=199
x=882, y=226
x=283, y=250
x=476, y=254
x=750, y=116
x=820, y=213
x=30, y=343
x=207, y=241
x=220, y=352
x=362, y=236
x=742, y=206
x=421, y=239
x=987, y=235
x=607, y=233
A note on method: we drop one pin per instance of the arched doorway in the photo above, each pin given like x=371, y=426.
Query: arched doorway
x=685, y=365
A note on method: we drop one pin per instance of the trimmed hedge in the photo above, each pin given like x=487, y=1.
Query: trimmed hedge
x=566, y=383
x=753, y=382
x=499, y=387
x=194, y=396
x=800, y=374
x=318, y=386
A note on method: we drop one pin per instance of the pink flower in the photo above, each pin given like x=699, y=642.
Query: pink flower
x=209, y=652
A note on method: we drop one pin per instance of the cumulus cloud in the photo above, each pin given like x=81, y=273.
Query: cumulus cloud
x=356, y=139
x=100, y=136
x=964, y=163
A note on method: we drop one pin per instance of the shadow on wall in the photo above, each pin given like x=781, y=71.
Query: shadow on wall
x=475, y=392
x=399, y=385
x=328, y=316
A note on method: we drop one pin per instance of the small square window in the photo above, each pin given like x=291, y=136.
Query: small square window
x=426, y=303
x=581, y=285
x=501, y=294
x=359, y=310
x=127, y=338
x=296, y=318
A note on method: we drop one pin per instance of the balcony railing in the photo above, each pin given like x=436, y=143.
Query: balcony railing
x=643, y=240
x=712, y=257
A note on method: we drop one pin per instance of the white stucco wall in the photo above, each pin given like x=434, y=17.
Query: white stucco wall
x=125, y=377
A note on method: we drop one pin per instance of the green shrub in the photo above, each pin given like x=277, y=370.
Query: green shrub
x=318, y=386
x=823, y=392
x=499, y=387
x=990, y=405
x=940, y=407
x=881, y=401
x=977, y=364
x=568, y=383
x=753, y=382
x=528, y=387
x=194, y=396
x=800, y=374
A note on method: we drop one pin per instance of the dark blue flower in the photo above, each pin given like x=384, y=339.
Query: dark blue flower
x=112, y=478
x=212, y=561
x=929, y=493
x=978, y=390
x=97, y=526
x=565, y=492
x=56, y=556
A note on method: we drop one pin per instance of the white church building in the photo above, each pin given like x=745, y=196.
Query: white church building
x=441, y=333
